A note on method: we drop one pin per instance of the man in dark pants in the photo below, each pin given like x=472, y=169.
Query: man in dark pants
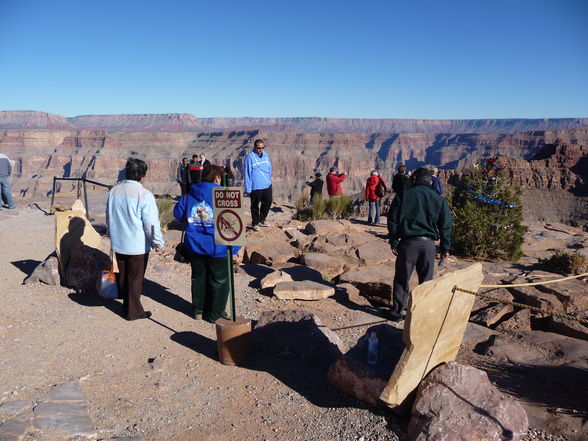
x=258, y=183
x=418, y=217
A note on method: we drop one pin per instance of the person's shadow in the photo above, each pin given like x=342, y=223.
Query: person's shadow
x=71, y=240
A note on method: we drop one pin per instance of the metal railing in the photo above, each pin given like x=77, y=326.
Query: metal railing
x=81, y=186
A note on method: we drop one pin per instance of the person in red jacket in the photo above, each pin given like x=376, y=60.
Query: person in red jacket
x=334, y=182
x=373, y=195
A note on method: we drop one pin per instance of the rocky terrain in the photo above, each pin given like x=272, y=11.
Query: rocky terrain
x=72, y=369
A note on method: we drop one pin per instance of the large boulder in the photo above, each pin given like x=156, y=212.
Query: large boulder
x=327, y=265
x=374, y=252
x=268, y=252
x=299, y=332
x=458, y=403
x=322, y=227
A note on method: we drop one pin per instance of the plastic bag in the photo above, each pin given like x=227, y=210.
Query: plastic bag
x=107, y=285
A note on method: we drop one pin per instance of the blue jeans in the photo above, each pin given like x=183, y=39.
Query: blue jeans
x=373, y=204
x=6, y=194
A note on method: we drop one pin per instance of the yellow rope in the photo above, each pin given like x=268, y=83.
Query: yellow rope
x=535, y=283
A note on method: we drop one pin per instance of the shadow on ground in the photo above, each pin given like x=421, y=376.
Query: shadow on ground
x=27, y=266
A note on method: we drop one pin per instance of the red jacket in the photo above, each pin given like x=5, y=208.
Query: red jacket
x=334, y=183
x=370, y=188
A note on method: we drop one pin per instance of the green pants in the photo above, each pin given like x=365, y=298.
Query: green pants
x=210, y=286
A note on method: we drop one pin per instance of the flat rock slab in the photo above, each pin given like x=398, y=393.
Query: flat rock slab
x=305, y=290
x=460, y=403
x=321, y=227
x=323, y=263
x=435, y=323
x=374, y=252
x=66, y=392
x=11, y=408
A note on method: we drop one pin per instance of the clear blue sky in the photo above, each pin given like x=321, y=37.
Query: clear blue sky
x=362, y=59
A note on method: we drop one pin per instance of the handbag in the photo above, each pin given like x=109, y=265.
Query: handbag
x=181, y=253
x=106, y=286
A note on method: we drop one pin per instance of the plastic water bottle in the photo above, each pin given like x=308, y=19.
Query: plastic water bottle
x=372, y=355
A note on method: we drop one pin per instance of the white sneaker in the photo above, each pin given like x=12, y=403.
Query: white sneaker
x=256, y=228
x=264, y=224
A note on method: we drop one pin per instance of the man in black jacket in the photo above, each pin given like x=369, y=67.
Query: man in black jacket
x=401, y=180
x=316, y=187
x=417, y=218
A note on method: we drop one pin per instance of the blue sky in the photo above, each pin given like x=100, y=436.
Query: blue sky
x=356, y=59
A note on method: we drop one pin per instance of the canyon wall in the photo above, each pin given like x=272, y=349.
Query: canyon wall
x=23, y=119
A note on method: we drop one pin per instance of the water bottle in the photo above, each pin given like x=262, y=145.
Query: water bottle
x=372, y=355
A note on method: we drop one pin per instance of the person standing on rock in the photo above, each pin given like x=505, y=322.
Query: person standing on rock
x=258, y=183
x=401, y=180
x=5, y=190
x=182, y=176
x=133, y=225
x=417, y=218
x=334, y=180
x=375, y=189
x=316, y=188
x=210, y=273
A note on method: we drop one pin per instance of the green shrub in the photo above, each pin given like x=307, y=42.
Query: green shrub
x=566, y=262
x=338, y=207
x=165, y=205
x=484, y=230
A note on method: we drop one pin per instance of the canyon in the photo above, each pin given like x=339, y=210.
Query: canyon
x=547, y=158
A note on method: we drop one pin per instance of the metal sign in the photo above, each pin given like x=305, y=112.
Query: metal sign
x=229, y=216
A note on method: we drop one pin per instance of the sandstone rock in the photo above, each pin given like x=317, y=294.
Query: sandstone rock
x=434, y=327
x=571, y=328
x=274, y=278
x=532, y=296
x=328, y=265
x=301, y=272
x=519, y=321
x=85, y=267
x=491, y=314
x=374, y=252
x=373, y=282
x=46, y=272
x=476, y=334
x=356, y=379
x=268, y=253
x=322, y=227
x=11, y=408
x=304, y=290
x=299, y=332
x=71, y=229
x=460, y=403
x=14, y=429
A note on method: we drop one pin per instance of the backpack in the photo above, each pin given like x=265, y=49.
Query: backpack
x=381, y=189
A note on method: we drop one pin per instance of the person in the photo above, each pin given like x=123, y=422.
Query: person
x=316, y=187
x=401, y=180
x=436, y=183
x=210, y=274
x=195, y=170
x=5, y=190
x=417, y=218
x=203, y=161
x=372, y=197
x=182, y=176
x=334, y=180
x=258, y=183
x=133, y=225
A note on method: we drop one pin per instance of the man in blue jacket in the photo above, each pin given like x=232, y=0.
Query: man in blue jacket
x=258, y=183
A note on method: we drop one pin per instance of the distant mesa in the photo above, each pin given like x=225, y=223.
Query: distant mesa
x=179, y=122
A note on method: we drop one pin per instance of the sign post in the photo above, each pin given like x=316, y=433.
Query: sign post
x=229, y=227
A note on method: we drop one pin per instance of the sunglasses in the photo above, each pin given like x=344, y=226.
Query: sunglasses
x=259, y=148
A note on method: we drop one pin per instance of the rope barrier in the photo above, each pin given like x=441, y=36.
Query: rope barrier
x=522, y=305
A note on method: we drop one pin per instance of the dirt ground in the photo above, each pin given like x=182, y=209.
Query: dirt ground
x=160, y=379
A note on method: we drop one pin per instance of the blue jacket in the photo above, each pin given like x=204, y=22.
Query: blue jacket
x=196, y=208
x=437, y=185
x=258, y=172
x=133, y=219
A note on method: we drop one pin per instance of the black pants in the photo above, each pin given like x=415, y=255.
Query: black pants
x=261, y=201
x=184, y=188
x=130, y=282
x=210, y=286
x=411, y=254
